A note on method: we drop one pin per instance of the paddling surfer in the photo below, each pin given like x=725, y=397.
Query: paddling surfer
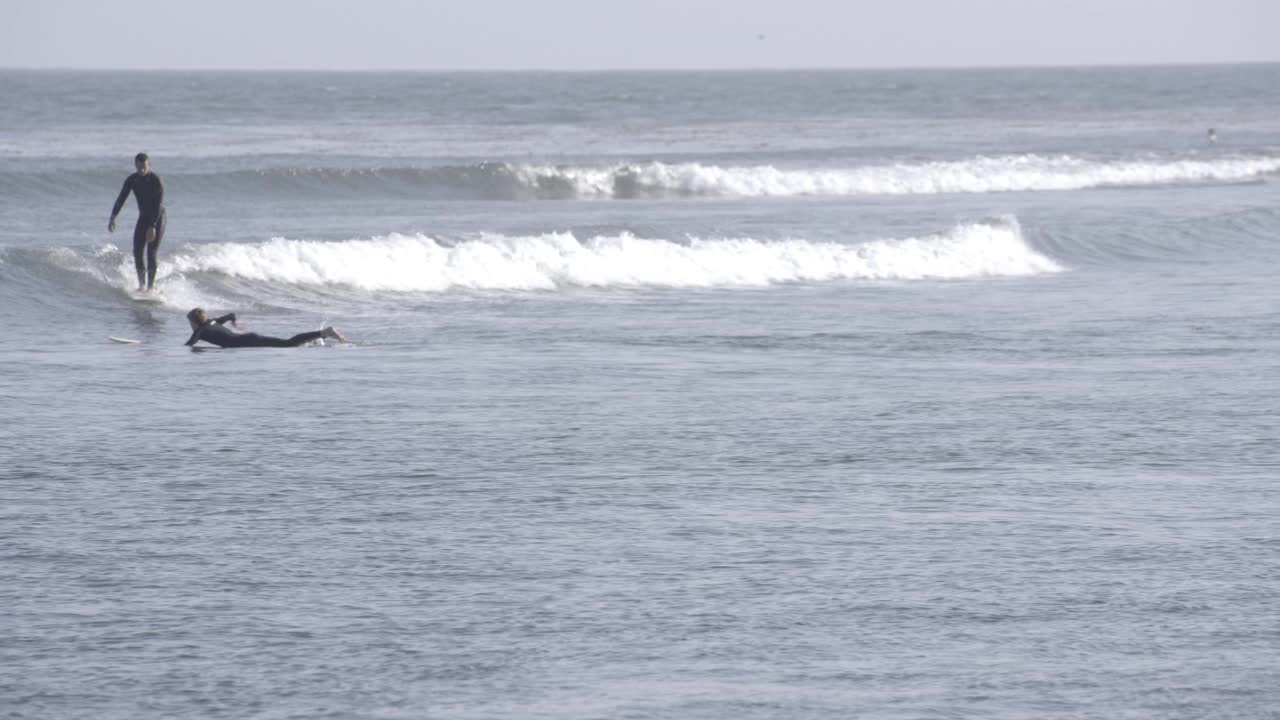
x=211, y=330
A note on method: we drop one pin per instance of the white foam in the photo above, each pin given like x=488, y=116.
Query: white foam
x=977, y=175
x=172, y=289
x=553, y=260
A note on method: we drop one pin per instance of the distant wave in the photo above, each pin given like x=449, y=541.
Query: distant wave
x=544, y=262
x=978, y=175
x=515, y=181
x=480, y=181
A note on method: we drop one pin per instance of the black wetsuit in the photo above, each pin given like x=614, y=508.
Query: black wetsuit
x=149, y=192
x=213, y=332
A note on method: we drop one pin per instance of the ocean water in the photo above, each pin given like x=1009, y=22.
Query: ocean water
x=893, y=394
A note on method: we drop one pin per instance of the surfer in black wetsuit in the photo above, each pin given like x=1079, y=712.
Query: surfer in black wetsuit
x=212, y=331
x=149, y=192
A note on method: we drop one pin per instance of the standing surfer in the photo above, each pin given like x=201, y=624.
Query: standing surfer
x=147, y=233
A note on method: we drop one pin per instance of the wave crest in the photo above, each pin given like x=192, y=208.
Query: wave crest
x=409, y=263
x=978, y=175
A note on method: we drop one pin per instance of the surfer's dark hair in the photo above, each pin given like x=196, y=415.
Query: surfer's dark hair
x=197, y=314
x=140, y=157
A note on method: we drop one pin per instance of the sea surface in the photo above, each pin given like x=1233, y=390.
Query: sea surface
x=877, y=394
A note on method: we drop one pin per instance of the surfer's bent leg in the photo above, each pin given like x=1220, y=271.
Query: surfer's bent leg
x=304, y=338
x=140, y=247
x=152, y=247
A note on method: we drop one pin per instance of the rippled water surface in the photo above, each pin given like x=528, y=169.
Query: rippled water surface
x=743, y=395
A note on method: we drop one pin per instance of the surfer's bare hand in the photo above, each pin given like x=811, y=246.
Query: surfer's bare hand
x=151, y=234
x=111, y=225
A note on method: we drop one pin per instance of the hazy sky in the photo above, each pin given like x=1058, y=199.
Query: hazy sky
x=631, y=34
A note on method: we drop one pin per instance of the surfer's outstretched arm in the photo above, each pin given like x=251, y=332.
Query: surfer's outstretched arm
x=159, y=201
x=195, y=336
x=115, y=209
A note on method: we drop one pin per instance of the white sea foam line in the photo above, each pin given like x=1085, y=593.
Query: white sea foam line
x=978, y=175
x=174, y=290
x=542, y=262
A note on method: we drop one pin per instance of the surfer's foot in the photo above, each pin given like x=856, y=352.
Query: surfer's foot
x=334, y=334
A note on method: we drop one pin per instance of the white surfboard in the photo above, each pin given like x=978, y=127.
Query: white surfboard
x=146, y=297
x=126, y=341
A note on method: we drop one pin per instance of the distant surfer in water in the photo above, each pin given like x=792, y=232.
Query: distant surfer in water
x=212, y=331
x=1213, y=136
x=147, y=233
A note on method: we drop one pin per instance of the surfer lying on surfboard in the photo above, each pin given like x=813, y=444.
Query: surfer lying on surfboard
x=212, y=331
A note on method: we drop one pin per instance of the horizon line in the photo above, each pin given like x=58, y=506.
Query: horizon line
x=553, y=70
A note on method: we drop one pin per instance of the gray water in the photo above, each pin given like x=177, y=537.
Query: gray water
x=702, y=395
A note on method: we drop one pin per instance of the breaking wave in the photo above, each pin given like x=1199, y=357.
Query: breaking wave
x=979, y=175
x=418, y=263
